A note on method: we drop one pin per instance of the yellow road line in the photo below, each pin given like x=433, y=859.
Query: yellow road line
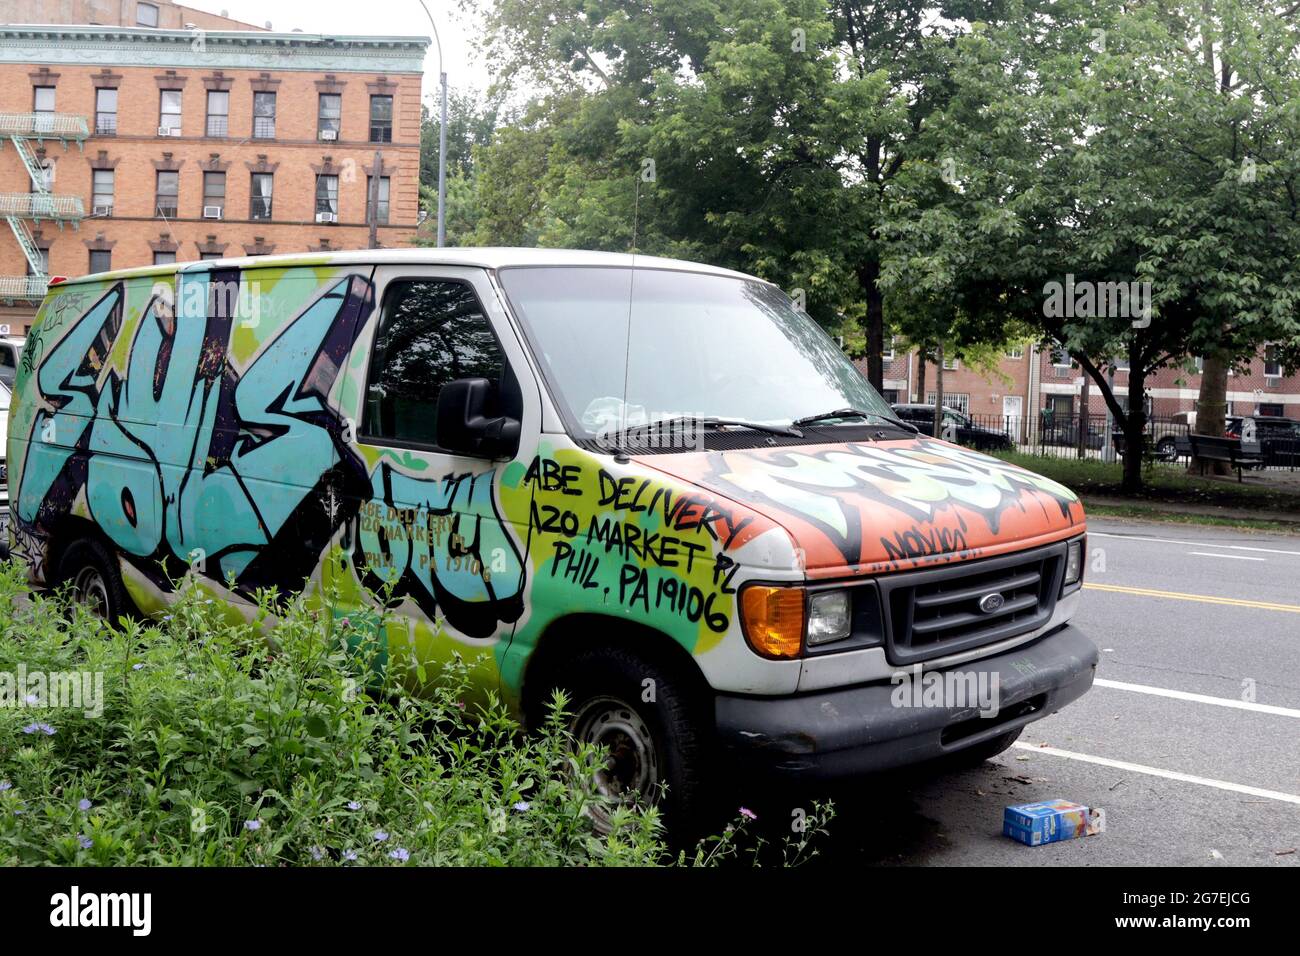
x=1202, y=598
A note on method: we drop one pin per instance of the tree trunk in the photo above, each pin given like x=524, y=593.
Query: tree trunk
x=867, y=276
x=1211, y=408
x=1084, y=401
x=922, y=357
x=1134, y=424
x=938, y=391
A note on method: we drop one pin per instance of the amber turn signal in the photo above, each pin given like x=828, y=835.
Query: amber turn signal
x=773, y=619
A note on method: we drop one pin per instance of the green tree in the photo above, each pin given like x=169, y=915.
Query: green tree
x=1094, y=149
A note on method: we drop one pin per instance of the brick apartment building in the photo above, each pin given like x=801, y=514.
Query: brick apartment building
x=136, y=145
x=1039, y=379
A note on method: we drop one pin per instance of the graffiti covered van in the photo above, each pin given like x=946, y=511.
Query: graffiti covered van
x=655, y=484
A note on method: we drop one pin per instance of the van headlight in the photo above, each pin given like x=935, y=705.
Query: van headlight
x=830, y=616
x=1073, y=562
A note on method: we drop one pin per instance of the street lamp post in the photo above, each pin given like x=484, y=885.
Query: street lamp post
x=442, y=137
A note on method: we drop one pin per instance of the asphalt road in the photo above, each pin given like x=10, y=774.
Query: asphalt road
x=1188, y=620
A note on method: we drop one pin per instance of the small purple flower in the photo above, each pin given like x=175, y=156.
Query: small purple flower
x=380, y=836
x=399, y=854
x=136, y=667
x=345, y=623
x=748, y=814
x=84, y=804
x=39, y=726
x=31, y=700
x=253, y=825
x=353, y=805
x=84, y=841
x=350, y=855
x=523, y=806
x=5, y=785
x=317, y=853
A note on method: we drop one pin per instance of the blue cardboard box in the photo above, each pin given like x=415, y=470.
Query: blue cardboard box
x=1050, y=821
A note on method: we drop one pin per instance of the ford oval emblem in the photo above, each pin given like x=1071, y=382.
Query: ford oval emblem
x=992, y=602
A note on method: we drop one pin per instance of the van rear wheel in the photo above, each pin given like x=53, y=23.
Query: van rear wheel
x=645, y=719
x=91, y=573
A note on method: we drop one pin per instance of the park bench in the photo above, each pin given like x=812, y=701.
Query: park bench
x=1235, y=452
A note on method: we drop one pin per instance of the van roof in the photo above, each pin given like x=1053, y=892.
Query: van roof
x=484, y=257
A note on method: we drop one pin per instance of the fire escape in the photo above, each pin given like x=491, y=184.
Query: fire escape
x=41, y=203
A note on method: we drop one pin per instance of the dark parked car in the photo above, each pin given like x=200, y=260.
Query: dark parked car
x=968, y=433
x=1279, y=438
x=1065, y=431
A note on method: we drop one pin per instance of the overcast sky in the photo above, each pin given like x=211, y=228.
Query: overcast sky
x=465, y=69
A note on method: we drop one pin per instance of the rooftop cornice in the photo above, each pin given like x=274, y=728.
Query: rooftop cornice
x=206, y=50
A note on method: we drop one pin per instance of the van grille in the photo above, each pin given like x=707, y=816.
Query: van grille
x=936, y=611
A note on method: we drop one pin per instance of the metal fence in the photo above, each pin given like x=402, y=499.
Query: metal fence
x=1088, y=436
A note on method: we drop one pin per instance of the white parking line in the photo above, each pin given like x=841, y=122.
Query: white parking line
x=1195, y=544
x=1199, y=698
x=1167, y=774
x=1234, y=557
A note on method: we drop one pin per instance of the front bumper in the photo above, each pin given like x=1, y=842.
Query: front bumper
x=855, y=730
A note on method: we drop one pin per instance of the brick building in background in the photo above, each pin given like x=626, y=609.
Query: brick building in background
x=1033, y=380
x=135, y=145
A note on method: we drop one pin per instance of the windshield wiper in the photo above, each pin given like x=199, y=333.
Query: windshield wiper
x=713, y=422
x=853, y=413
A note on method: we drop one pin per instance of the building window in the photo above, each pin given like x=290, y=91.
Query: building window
x=169, y=187
x=958, y=400
x=1015, y=352
x=43, y=107
x=1272, y=364
x=146, y=15
x=259, y=206
x=329, y=116
x=43, y=99
x=101, y=260
x=214, y=195
x=1270, y=410
x=327, y=195
x=169, y=113
x=43, y=255
x=381, y=119
x=44, y=180
x=106, y=112
x=381, y=211
x=1119, y=363
x=101, y=196
x=203, y=256
x=888, y=354
x=432, y=332
x=1060, y=358
x=263, y=116
x=164, y=258
x=950, y=364
x=218, y=113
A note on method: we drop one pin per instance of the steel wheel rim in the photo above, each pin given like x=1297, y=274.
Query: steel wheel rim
x=630, y=772
x=91, y=590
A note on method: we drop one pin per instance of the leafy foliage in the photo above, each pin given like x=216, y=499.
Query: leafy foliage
x=274, y=743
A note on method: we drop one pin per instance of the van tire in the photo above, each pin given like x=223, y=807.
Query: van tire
x=605, y=686
x=90, y=572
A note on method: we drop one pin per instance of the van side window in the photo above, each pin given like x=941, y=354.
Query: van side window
x=431, y=332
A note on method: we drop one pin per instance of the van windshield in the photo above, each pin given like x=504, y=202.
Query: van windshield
x=700, y=346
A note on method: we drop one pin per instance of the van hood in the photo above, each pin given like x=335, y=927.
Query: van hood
x=872, y=507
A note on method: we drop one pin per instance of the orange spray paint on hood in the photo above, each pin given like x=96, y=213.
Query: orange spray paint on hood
x=872, y=507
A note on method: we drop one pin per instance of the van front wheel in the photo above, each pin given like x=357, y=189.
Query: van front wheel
x=644, y=719
x=91, y=574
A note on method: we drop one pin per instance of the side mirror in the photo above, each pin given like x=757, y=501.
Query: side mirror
x=462, y=426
